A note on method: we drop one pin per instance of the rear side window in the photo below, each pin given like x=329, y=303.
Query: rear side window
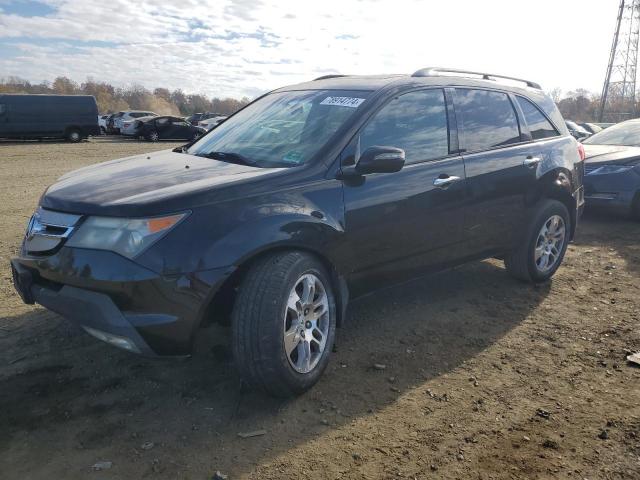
x=537, y=122
x=415, y=122
x=487, y=118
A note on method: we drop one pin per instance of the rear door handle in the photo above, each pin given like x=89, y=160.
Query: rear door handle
x=444, y=181
x=532, y=161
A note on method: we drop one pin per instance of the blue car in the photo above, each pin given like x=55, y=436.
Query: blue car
x=612, y=169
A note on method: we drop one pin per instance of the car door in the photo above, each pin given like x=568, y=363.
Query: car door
x=181, y=129
x=500, y=164
x=399, y=224
x=163, y=127
x=5, y=124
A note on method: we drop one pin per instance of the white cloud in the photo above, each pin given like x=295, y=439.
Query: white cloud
x=243, y=47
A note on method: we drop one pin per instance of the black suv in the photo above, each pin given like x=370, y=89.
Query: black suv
x=310, y=196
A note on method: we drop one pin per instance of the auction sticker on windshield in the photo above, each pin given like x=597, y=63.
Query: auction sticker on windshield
x=351, y=102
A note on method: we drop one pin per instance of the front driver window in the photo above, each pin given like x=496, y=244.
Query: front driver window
x=415, y=122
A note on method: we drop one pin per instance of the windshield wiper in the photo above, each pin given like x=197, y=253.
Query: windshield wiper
x=231, y=157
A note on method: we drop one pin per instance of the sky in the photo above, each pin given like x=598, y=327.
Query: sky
x=246, y=47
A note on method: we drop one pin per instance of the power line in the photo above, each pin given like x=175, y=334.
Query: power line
x=618, y=100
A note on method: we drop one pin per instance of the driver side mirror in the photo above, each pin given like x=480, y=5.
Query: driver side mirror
x=377, y=159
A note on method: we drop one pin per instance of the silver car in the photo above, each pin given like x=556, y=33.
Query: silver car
x=209, y=123
x=128, y=118
x=129, y=126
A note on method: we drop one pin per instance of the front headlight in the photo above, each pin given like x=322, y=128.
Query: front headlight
x=126, y=236
x=609, y=169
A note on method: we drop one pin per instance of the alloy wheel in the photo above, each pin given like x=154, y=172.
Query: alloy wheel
x=306, y=323
x=550, y=243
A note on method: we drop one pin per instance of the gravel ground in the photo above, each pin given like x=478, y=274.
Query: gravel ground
x=465, y=374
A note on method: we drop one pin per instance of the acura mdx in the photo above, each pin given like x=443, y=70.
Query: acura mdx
x=310, y=196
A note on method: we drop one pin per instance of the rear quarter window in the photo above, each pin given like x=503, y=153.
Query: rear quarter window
x=538, y=124
x=487, y=118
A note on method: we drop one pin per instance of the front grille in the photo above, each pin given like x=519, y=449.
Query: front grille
x=48, y=230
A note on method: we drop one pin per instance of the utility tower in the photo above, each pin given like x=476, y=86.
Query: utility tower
x=618, y=100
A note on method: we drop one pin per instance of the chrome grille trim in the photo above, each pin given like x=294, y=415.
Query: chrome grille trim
x=48, y=229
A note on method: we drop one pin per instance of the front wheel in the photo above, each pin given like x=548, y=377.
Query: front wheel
x=542, y=249
x=153, y=136
x=74, y=135
x=283, y=323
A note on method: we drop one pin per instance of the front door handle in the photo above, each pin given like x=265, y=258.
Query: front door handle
x=532, y=161
x=444, y=181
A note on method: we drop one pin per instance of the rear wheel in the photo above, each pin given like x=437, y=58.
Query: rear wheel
x=283, y=323
x=153, y=136
x=542, y=249
x=74, y=135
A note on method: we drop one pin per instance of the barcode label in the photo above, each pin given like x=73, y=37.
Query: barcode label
x=350, y=102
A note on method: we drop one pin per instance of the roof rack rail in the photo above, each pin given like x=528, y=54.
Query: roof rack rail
x=437, y=71
x=326, y=77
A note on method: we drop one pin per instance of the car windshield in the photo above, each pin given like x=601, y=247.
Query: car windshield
x=626, y=133
x=283, y=129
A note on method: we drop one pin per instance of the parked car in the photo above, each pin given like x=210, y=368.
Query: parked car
x=167, y=128
x=576, y=131
x=130, y=127
x=612, y=169
x=197, y=117
x=73, y=117
x=604, y=125
x=308, y=197
x=102, y=123
x=111, y=123
x=212, y=122
x=125, y=119
x=591, y=128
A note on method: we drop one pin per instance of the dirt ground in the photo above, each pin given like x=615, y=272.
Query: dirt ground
x=484, y=377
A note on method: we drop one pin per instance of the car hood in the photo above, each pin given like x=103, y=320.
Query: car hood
x=147, y=184
x=611, y=154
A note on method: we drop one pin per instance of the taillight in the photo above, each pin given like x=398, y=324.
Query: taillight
x=581, y=152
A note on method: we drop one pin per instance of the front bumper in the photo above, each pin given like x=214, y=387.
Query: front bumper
x=614, y=191
x=117, y=300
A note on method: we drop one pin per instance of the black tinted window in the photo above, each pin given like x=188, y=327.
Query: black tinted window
x=487, y=118
x=415, y=122
x=538, y=124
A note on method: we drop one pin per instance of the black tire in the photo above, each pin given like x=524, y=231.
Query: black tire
x=520, y=262
x=258, y=323
x=74, y=135
x=152, y=136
